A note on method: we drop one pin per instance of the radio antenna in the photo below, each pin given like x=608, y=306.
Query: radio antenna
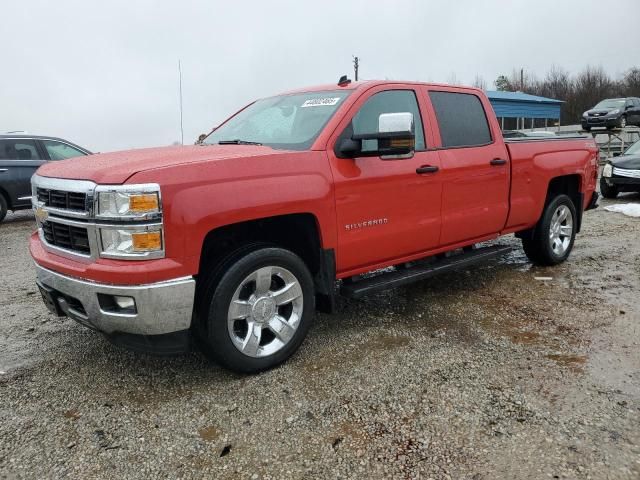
x=181, y=127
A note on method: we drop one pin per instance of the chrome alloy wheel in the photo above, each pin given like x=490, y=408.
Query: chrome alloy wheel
x=561, y=230
x=265, y=311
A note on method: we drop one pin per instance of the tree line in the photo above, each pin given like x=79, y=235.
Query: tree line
x=580, y=92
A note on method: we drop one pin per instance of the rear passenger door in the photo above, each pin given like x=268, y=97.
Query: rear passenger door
x=474, y=166
x=19, y=159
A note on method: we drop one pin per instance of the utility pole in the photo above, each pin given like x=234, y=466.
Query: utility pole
x=355, y=67
x=522, y=79
x=181, y=128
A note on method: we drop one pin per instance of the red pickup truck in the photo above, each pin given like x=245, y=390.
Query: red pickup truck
x=233, y=243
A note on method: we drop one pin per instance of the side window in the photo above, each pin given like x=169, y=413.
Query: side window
x=390, y=101
x=461, y=118
x=18, y=149
x=60, y=151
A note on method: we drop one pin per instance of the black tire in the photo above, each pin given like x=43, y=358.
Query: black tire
x=212, y=331
x=4, y=207
x=537, y=245
x=586, y=129
x=622, y=123
x=608, y=191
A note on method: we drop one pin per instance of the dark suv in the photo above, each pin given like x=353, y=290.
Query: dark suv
x=613, y=112
x=20, y=157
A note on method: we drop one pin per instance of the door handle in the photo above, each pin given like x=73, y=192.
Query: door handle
x=427, y=169
x=498, y=161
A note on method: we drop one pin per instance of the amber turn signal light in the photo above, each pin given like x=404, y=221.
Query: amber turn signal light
x=145, y=202
x=146, y=241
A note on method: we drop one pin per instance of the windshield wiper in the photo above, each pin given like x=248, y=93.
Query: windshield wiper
x=237, y=142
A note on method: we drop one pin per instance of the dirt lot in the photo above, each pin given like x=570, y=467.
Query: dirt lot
x=481, y=374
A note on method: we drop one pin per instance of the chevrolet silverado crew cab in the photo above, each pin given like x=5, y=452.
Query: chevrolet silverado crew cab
x=233, y=243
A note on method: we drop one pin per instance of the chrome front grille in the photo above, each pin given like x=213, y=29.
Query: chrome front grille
x=61, y=199
x=69, y=237
x=623, y=172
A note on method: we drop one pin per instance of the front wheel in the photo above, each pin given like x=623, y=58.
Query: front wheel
x=256, y=310
x=608, y=191
x=3, y=207
x=623, y=121
x=552, y=238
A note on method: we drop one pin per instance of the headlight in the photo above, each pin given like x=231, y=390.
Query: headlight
x=607, y=171
x=585, y=114
x=615, y=111
x=128, y=201
x=118, y=242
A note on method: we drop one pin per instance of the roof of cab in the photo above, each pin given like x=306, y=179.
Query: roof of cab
x=369, y=83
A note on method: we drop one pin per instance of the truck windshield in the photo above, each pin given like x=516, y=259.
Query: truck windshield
x=289, y=122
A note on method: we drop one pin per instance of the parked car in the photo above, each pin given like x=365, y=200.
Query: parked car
x=235, y=242
x=20, y=157
x=622, y=173
x=613, y=112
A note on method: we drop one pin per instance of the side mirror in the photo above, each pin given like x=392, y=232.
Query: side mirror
x=628, y=107
x=617, y=154
x=200, y=139
x=395, y=138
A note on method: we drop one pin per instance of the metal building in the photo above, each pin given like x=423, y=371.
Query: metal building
x=524, y=110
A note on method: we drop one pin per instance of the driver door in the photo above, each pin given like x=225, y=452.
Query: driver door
x=387, y=209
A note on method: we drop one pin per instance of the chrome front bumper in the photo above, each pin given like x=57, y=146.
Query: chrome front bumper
x=162, y=308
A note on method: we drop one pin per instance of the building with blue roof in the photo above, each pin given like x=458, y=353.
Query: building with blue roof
x=517, y=110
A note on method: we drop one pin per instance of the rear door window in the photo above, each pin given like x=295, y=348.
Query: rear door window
x=18, y=149
x=461, y=118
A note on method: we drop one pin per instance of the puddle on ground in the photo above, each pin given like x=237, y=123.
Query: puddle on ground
x=72, y=414
x=208, y=434
x=575, y=363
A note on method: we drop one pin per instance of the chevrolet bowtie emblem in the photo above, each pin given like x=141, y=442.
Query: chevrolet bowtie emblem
x=40, y=213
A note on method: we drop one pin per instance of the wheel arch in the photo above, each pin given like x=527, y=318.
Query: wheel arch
x=570, y=185
x=298, y=232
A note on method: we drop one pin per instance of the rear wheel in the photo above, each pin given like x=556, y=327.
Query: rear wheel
x=608, y=191
x=4, y=207
x=552, y=239
x=256, y=310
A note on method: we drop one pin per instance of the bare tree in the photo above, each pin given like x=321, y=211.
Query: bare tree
x=452, y=79
x=480, y=82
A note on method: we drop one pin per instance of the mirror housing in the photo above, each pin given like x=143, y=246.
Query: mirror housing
x=617, y=154
x=395, y=137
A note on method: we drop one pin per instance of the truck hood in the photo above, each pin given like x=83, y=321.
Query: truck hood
x=630, y=162
x=117, y=167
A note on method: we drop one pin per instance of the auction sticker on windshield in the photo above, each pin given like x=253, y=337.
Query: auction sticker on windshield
x=320, y=102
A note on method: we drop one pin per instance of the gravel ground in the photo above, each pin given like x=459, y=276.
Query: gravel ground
x=481, y=374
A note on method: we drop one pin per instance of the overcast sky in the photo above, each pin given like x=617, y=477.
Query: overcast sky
x=104, y=74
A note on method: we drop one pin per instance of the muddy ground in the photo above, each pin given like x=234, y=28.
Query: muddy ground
x=482, y=374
